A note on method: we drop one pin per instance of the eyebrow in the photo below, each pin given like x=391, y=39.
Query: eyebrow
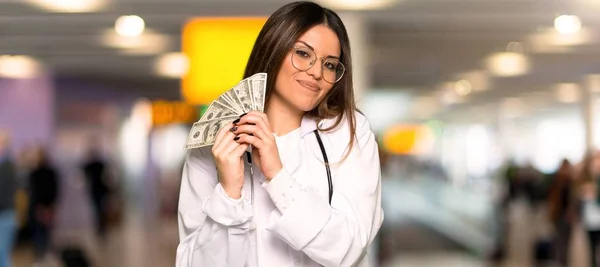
x=313, y=49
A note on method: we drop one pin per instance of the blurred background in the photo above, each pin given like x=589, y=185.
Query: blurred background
x=486, y=113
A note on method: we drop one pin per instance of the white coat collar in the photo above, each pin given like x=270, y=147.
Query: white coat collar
x=308, y=125
x=291, y=163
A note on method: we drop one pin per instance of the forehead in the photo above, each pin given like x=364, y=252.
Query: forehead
x=323, y=39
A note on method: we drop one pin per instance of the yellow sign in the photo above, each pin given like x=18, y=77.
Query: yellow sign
x=218, y=50
x=166, y=112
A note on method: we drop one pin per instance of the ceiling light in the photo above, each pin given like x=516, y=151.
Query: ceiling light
x=130, y=26
x=172, y=65
x=479, y=79
x=148, y=43
x=462, y=88
x=70, y=6
x=357, y=4
x=550, y=40
x=515, y=47
x=507, y=64
x=567, y=24
x=18, y=67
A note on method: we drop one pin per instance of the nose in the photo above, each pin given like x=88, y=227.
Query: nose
x=316, y=71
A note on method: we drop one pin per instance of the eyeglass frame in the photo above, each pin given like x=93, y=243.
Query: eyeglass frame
x=315, y=61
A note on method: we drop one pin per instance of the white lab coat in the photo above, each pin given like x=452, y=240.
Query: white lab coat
x=291, y=222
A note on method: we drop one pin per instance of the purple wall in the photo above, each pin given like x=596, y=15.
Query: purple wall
x=27, y=110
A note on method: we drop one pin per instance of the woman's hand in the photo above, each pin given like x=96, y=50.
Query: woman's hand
x=228, y=157
x=253, y=128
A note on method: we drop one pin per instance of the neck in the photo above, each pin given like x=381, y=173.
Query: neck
x=282, y=118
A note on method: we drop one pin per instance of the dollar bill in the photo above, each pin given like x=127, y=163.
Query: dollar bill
x=230, y=94
x=259, y=86
x=226, y=102
x=247, y=95
x=204, y=133
x=217, y=110
x=242, y=91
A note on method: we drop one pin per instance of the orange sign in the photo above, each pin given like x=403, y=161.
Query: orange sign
x=166, y=112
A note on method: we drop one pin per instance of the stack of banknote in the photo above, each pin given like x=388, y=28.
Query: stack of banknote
x=247, y=95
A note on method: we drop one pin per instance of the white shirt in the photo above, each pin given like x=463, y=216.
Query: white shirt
x=291, y=222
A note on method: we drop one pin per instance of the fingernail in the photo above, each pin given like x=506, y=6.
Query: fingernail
x=236, y=121
x=234, y=129
x=236, y=138
x=243, y=115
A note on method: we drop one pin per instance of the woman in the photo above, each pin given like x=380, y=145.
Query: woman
x=298, y=210
x=562, y=208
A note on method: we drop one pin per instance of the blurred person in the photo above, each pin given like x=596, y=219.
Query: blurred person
x=562, y=205
x=96, y=172
x=8, y=188
x=590, y=209
x=43, y=191
x=24, y=164
x=532, y=185
x=26, y=161
x=292, y=218
x=506, y=193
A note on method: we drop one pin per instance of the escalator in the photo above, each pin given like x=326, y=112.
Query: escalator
x=427, y=214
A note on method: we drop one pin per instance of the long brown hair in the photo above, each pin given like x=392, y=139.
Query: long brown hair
x=275, y=41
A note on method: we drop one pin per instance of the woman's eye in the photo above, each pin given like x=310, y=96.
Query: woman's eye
x=303, y=54
x=331, y=66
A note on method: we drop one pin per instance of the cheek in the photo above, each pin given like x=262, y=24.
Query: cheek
x=326, y=90
x=286, y=74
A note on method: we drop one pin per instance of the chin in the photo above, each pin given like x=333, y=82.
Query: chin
x=305, y=105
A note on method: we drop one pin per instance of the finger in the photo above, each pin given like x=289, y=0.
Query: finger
x=256, y=115
x=231, y=145
x=254, y=118
x=252, y=140
x=217, y=146
x=264, y=117
x=225, y=140
x=239, y=151
x=250, y=130
x=223, y=131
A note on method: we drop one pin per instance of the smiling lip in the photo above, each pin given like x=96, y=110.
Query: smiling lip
x=310, y=85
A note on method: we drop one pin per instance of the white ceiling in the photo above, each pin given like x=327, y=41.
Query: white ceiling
x=415, y=44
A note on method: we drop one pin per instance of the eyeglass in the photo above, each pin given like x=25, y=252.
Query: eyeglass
x=303, y=58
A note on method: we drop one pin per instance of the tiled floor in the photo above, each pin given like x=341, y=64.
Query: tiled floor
x=145, y=241
x=135, y=244
x=142, y=244
x=142, y=240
